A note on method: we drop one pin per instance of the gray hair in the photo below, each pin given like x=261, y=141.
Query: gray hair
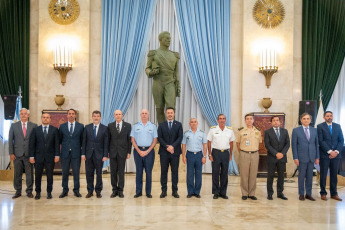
x=27, y=111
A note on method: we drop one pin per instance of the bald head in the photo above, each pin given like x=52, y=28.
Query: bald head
x=118, y=115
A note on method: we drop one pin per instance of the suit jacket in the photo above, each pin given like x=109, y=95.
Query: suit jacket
x=303, y=150
x=170, y=137
x=71, y=143
x=328, y=141
x=18, y=145
x=119, y=143
x=274, y=146
x=44, y=149
x=98, y=145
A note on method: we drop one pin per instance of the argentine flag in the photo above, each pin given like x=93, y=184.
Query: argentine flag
x=18, y=108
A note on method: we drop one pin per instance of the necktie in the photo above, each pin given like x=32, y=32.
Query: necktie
x=277, y=132
x=118, y=128
x=45, y=134
x=170, y=125
x=71, y=130
x=330, y=128
x=95, y=131
x=24, y=130
x=306, y=133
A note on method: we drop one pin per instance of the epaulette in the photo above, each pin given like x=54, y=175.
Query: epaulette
x=239, y=129
x=257, y=128
x=229, y=127
x=151, y=53
x=186, y=132
x=177, y=55
x=136, y=123
x=212, y=127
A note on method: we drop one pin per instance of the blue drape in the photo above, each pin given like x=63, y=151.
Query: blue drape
x=126, y=27
x=204, y=27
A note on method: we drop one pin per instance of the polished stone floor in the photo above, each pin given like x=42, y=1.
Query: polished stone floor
x=169, y=213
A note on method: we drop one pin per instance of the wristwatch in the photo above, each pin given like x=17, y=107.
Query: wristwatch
x=205, y=156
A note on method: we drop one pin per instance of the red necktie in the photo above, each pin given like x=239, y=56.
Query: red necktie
x=24, y=130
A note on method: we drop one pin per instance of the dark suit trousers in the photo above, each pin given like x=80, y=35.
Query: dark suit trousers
x=271, y=167
x=66, y=163
x=333, y=165
x=146, y=163
x=22, y=164
x=167, y=159
x=220, y=167
x=117, y=172
x=49, y=166
x=91, y=165
x=305, y=178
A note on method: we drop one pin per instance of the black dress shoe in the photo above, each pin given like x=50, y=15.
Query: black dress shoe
x=163, y=194
x=309, y=197
x=77, y=194
x=62, y=195
x=121, y=195
x=252, y=197
x=197, y=196
x=215, y=196
x=244, y=197
x=224, y=197
x=88, y=195
x=301, y=197
x=98, y=195
x=114, y=194
x=148, y=195
x=30, y=195
x=282, y=196
x=138, y=195
x=189, y=196
x=175, y=194
x=49, y=195
x=38, y=196
x=269, y=197
x=16, y=195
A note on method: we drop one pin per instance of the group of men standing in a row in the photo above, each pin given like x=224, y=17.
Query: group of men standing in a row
x=95, y=143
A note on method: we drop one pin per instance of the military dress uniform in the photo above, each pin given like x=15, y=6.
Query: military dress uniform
x=249, y=140
x=144, y=136
x=220, y=143
x=194, y=146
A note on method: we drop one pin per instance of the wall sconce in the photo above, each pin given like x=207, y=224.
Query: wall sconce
x=62, y=61
x=268, y=64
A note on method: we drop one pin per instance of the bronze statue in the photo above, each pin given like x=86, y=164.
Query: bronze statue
x=162, y=66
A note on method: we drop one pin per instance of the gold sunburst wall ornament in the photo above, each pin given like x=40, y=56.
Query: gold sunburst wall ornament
x=64, y=12
x=268, y=13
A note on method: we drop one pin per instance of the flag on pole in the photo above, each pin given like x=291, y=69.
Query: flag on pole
x=18, y=108
x=319, y=117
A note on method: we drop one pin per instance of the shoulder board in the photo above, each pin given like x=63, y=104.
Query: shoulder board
x=151, y=53
x=177, y=55
x=257, y=128
x=186, y=132
x=229, y=127
x=201, y=130
x=239, y=129
x=212, y=127
x=136, y=123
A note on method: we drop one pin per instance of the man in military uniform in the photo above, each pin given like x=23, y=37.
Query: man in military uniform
x=248, y=145
x=162, y=66
x=195, y=142
x=220, y=140
x=144, y=138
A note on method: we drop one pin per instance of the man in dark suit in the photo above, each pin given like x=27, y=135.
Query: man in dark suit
x=170, y=134
x=305, y=150
x=44, y=152
x=95, y=150
x=18, y=140
x=331, y=140
x=277, y=143
x=71, y=139
x=119, y=150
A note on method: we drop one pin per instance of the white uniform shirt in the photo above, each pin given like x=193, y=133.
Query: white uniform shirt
x=220, y=139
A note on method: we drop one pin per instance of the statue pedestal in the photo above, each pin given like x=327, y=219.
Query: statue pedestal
x=156, y=172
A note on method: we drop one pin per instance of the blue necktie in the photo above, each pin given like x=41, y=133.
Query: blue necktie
x=71, y=130
x=95, y=131
x=277, y=132
x=330, y=128
x=45, y=134
x=170, y=125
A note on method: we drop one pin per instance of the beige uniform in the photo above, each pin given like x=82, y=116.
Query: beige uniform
x=249, y=140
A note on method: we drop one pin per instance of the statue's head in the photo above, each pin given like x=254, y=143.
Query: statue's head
x=164, y=38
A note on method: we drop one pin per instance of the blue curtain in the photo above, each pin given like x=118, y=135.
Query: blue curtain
x=204, y=27
x=126, y=28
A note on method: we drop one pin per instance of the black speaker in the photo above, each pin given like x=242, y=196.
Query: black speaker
x=308, y=107
x=10, y=106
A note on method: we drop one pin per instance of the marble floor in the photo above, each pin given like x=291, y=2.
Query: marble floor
x=169, y=213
